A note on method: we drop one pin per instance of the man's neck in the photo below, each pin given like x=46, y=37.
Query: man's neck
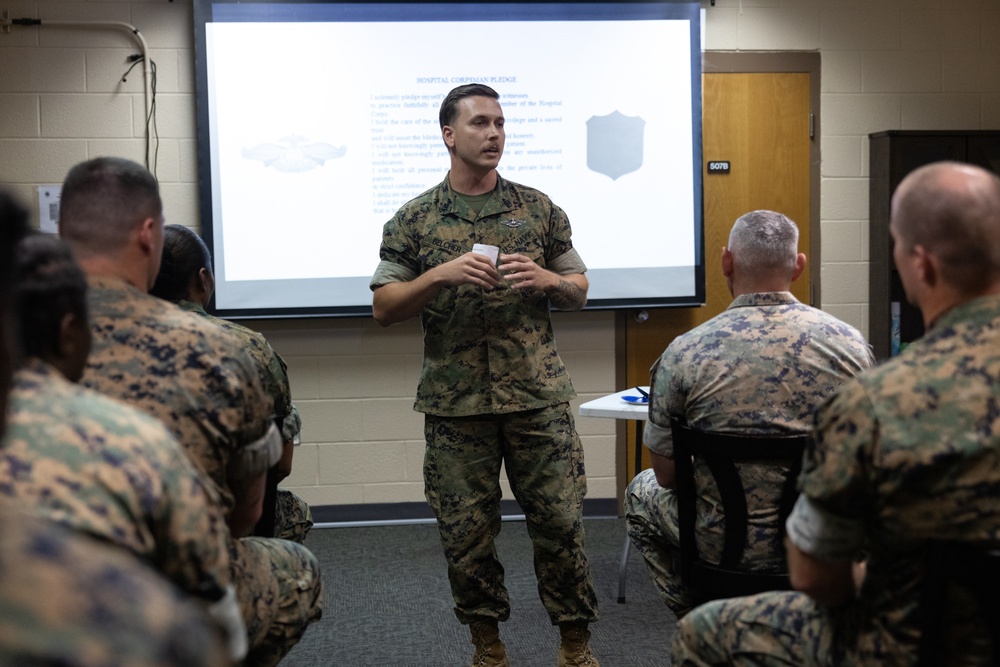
x=105, y=267
x=760, y=286
x=468, y=183
x=934, y=305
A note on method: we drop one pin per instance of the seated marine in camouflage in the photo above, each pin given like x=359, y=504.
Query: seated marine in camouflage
x=761, y=366
x=186, y=278
x=94, y=464
x=66, y=599
x=906, y=453
x=196, y=379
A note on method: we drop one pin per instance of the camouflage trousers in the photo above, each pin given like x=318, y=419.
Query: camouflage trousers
x=544, y=461
x=280, y=592
x=292, y=517
x=651, y=521
x=767, y=630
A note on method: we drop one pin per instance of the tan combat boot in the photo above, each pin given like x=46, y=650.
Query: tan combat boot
x=575, y=649
x=490, y=651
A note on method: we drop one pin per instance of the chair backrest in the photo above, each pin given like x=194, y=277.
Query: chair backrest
x=721, y=452
x=974, y=568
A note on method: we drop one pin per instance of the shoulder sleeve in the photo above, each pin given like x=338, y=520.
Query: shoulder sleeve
x=837, y=465
x=664, y=403
x=398, y=254
x=560, y=239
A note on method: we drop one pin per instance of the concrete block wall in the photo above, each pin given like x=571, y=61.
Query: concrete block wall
x=886, y=64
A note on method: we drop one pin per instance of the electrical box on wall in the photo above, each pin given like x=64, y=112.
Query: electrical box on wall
x=48, y=207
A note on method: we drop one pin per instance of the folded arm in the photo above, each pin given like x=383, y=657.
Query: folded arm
x=399, y=301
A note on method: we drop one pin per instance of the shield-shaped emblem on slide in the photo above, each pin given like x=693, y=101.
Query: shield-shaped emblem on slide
x=614, y=144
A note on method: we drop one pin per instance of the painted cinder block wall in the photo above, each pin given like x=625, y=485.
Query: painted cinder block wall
x=886, y=64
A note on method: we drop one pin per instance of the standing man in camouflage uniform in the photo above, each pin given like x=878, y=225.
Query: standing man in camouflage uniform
x=906, y=453
x=194, y=377
x=70, y=600
x=186, y=278
x=493, y=388
x=762, y=366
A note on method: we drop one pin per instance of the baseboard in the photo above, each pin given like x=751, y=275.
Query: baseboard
x=389, y=513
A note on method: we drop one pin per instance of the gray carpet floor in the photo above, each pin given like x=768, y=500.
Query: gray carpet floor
x=388, y=602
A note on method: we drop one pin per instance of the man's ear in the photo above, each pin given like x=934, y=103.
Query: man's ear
x=727, y=262
x=146, y=235
x=800, y=266
x=926, y=265
x=448, y=135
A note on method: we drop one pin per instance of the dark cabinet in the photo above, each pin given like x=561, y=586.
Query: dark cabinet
x=894, y=154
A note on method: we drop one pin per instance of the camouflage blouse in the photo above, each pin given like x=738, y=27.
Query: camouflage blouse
x=103, y=468
x=761, y=366
x=188, y=373
x=485, y=352
x=910, y=451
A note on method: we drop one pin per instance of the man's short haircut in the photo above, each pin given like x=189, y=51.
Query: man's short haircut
x=184, y=255
x=102, y=201
x=49, y=285
x=765, y=241
x=449, y=106
x=956, y=217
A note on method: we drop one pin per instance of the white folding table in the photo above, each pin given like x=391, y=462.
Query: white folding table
x=614, y=406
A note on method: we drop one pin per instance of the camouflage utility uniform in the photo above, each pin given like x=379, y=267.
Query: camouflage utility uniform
x=194, y=377
x=293, y=518
x=762, y=366
x=908, y=452
x=493, y=390
x=100, y=467
x=67, y=599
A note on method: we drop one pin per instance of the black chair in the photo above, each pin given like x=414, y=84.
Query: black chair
x=973, y=567
x=720, y=452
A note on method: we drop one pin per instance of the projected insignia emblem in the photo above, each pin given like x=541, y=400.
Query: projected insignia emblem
x=614, y=144
x=293, y=154
x=513, y=224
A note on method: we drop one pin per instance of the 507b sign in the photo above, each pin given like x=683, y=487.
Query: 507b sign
x=718, y=167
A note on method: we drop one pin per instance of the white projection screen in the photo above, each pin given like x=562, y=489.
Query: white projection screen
x=317, y=121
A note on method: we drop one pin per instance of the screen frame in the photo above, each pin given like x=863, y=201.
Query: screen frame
x=203, y=14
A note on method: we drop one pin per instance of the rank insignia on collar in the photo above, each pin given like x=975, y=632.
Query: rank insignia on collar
x=513, y=224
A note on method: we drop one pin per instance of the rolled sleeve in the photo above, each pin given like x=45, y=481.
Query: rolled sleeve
x=658, y=439
x=258, y=456
x=568, y=263
x=389, y=272
x=823, y=534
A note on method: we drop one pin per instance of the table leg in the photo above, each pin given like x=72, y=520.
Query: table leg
x=623, y=565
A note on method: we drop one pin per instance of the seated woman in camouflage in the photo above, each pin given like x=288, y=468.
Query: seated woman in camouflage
x=186, y=278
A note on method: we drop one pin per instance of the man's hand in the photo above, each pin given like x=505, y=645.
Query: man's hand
x=471, y=268
x=567, y=292
x=522, y=273
x=398, y=302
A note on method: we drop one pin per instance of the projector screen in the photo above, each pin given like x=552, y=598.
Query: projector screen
x=317, y=121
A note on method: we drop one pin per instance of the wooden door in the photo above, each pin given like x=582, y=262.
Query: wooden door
x=760, y=122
